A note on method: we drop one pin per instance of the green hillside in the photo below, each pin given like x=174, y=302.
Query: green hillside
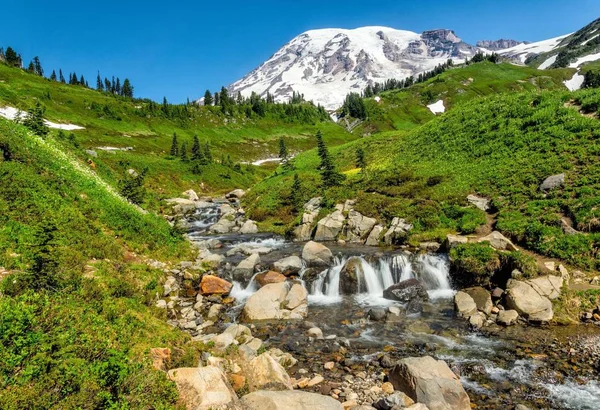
x=75, y=316
x=502, y=146
x=145, y=126
x=407, y=109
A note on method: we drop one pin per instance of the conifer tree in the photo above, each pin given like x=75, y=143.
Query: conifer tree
x=61, y=76
x=283, y=152
x=53, y=75
x=208, y=98
x=360, y=159
x=38, y=66
x=174, y=146
x=35, y=120
x=207, y=153
x=196, y=149
x=296, y=194
x=2, y=54
x=106, y=84
x=127, y=89
x=99, y=84
x=132, y=187
x=82, y=80
x=31, y=67
x=329, y=175
x=183, y=152
x=118, y=87
x=217, y=98
x=113, y=85
x=12, y=58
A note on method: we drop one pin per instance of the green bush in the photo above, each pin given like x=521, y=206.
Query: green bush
x=474, y=264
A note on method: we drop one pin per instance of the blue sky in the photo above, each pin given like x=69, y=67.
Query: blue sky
x=178, y=49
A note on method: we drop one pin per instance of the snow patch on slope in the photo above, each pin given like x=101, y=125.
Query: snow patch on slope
x=522, y=51
x=585, y=59
x=437, y=107
x=575, y=83
x=14, y=114
x=548, y=62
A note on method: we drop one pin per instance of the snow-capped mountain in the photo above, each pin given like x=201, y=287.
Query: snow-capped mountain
x=325, y=65
x=496, y=45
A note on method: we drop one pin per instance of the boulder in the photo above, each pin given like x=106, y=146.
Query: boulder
x=351, y=276
x=202, y=387
x=269, y=277
x=212, y=259
x=316, y=254
x=236, y=194
x=482, y=298
x=245, y=269
x=507, y=317
x=479, y=202
x=553, y=182
x=289, y=400
x=224, y=225
x=395, y=400
x=329, y=227
x=548, y=286
x=303, y=232
x=454, y=240
x=464, y=305
x=373, y=239
x=430, y=382
x=181, y=205
x=477, y=320
x=358, y=226
x=429, y=246
x=265, y=373
x=227, y=210
x=288, y=266
x=406, y=291
x=498, y=241
x=213, y=285
x=313, y=205
x=398, y=232
x=249, y=227
x=523, y=298
x=191, y=195
x=277, y=301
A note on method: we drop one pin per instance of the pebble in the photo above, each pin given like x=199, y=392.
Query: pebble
x=349, y=404
x=329, y=365
x=387, y=388
x=315, y=380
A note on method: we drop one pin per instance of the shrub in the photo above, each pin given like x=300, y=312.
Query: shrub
x=474, y=264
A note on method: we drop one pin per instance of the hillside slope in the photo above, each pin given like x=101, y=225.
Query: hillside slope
x=75, y=289
x=502, y=146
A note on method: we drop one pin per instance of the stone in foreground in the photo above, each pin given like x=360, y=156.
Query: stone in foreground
x=523, y=298
x=277, y=301
x=202, y=388
x=431, y=382
x=213, y=285
x=316, y=254
x=289, y=400
x=406, y=291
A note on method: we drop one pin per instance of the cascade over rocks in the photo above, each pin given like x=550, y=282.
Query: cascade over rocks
x=431, y=382
x=406, y=291
x=245, y=269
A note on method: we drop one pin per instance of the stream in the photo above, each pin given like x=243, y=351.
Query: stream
x=554, y=367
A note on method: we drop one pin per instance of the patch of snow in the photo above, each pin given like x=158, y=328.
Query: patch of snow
x=548, y=62
x=585, y=59
x=377, y=99
x=575, y=83
x=437, y=107
x=587, y=41
x=12, y=113
x=264, y=161
x=522, y=51
x=107, y=148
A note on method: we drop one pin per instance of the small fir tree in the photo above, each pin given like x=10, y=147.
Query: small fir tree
x=208, y=98
x=35, y=120
x=183, y=152
x=174, y=146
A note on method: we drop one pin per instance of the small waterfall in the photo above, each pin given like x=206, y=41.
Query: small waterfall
x=378, y=275
x=241, y=293
x=204, y=218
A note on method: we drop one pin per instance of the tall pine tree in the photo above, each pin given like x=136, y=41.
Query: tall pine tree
x=174, y=146
x=127, y=89
x=53, y=75
x=208, y=98
x=329, y=176
x=196, y=149
x=99, y=84
x=183, y=152
x=61, y=76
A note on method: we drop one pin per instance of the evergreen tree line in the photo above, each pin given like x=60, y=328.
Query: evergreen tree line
x=197, y=152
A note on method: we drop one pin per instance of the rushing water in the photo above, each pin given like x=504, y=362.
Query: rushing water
x=436, y=329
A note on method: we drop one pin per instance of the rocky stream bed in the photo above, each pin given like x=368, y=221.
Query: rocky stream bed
x=336, y=335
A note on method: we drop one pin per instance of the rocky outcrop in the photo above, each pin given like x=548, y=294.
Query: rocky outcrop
x=351, y=276
x=479, y=202
x=316, y=254
x=288, y=266
x=277, y=301
x=398, y=232
x=358, y=226
x=303, y=232
x=375, y=235
x=213, y=285
x=406, y=291
x=289, y=400
x=549, y=286
x=245, y=269
x=203, y=388
x=330, y=227
x=523, y=298
x=236, y=194
x=498, y=241
x=431, y=382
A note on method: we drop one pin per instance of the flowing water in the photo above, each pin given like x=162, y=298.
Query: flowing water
x=494, y=370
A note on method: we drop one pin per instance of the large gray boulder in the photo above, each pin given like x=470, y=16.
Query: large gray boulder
x=482, y=298
x=225, y=225
x=330, y=227
x=265, y=373
x=289, y=400
x=245, y=269
x=373, y=239
x=236, y=194
x=430, y=382
x=464, y=305
x=479, y=202
x=406, y=291
x=498, y=241
x=277, y=301
x=549, y=286
x=553, y=182
x=398, y=232
x=288, y=266
x=203, y=388
x=249, y=227
x=358, y=226
x=523, y=298
x=316, y=254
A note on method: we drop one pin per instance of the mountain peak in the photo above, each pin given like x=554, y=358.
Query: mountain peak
x=501, y=44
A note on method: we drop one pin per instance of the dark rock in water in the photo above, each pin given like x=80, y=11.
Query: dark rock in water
x=376, y=314
x=310, y=275
x=350, y=276
x=414, y=306
x=406, y=291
